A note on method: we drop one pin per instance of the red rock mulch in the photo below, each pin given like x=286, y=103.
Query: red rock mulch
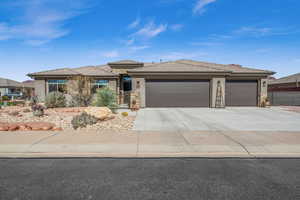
x=29, y=126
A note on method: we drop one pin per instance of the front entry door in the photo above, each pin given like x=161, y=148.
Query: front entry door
x=126, y=88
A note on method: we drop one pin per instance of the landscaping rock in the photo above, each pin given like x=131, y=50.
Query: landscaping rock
x=101, y=113
x=40, y=126
x=57, y=129
x=3, y=127
x=13, y=127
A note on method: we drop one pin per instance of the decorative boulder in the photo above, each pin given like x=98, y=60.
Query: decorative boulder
x=40, y=126
x=13, y=127
x=3, y=127
x=101, y=113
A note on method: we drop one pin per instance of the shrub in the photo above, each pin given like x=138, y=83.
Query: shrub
x=105, y=97
x=5, y=98
x=80, y=100
x=38, y=110
x=33, y=100
x=124, y=114
x=55, y=100
x=81, y=121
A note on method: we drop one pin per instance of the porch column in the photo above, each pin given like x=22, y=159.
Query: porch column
x=263, y=90
x=214, y=84
x=138, y=87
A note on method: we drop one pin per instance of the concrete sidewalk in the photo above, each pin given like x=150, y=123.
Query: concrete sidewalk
x=150, y=144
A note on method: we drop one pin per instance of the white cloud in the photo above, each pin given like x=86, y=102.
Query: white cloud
x=257, y=31
x=41, y=20
x=176, y=27
x=200, y=6
x=135, y=23
x=110, y=54
x=138, y=48
x=151, y=30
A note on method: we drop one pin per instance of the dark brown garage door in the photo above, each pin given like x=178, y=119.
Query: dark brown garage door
x=177, y=93
x=241, y=93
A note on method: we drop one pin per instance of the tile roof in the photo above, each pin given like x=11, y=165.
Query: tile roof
x=9, y=83
x=197, y=66
x=288, y=79
x=100, y=70
x=125, y=62
x=176, y=67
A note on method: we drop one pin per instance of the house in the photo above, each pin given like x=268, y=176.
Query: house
x=181, y=83
x=285, y=91
x=13, y=88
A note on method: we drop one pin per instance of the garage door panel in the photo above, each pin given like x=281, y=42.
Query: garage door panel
x=241, y=93
x=177, y=93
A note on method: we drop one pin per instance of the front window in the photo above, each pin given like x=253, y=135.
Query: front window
x=96, y=84
x=57, y=86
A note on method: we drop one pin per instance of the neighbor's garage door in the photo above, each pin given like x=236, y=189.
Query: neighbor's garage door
x=241, y=93
x=177, y=93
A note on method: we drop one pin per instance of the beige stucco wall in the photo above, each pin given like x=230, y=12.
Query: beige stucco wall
x=213, y=90
x=112, y=84
x=40, y=89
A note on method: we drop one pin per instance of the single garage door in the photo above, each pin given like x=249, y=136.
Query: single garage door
x=177, y=93
x=241, y=93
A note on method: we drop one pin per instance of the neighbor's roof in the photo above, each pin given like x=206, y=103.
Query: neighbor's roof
x=100, y=70
x=288, y=79
x=9, y=83
x=130, y=62
x=196, y=66
x=28, y=84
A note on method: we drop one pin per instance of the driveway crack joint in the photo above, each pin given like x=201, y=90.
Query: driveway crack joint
x=237, y=142
x=43, y=139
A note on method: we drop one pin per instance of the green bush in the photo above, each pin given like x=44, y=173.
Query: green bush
x=55, y=100
x=80, y=100
x=106, y=97
x=5, y=98
x=81, y=121
x=38, y=110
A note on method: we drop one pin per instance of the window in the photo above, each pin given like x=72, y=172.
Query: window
x=57, y=86
x=96, y=84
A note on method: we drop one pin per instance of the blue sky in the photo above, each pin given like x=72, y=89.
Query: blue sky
x=38, y=35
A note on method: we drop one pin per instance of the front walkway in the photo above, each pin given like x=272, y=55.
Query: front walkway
x=150, y=144
x=209, y=119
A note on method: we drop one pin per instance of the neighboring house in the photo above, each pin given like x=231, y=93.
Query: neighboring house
x=181, y=83
x=13, y=88
x=285, y=91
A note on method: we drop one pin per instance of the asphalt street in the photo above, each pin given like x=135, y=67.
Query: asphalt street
x=130, y=179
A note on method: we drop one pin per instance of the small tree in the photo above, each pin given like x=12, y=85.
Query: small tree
x=79, y=88
x=106, y=97
x=55, y=100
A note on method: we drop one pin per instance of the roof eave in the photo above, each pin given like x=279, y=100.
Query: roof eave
x=176, y=73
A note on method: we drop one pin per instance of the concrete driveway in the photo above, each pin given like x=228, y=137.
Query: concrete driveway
x=235, y=118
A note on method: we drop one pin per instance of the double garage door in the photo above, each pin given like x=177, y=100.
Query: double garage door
x=177, y=93
x=196, y=93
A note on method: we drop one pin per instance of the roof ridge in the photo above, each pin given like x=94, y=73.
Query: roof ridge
x=208, y=67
